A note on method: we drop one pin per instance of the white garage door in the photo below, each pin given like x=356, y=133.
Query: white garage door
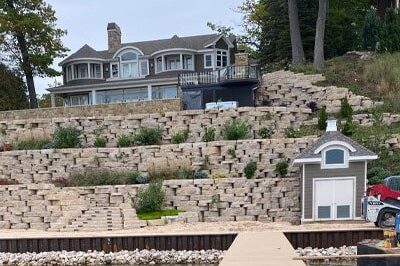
x=333, y=198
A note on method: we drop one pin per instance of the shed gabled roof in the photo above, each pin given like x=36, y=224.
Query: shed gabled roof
x=334, y=136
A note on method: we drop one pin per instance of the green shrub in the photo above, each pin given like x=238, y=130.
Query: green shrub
x=100, y=142
x=231, y=152
x=250, y=169
x=67, y=137
x=200, y=175
x=348, y=128
x=371, y=30
x=209, y=135
x=148, y=136
x=281, y=168
x=180, y=137
x=267, y=116
x=103, y=177
x=266, y=132
x=291, y=133
x=235, y=129
x=151, y=198
x=322, y=118
x=33, y=144
x=169, y=173
x=346, y=111
x=376, y=175
x=124, y=141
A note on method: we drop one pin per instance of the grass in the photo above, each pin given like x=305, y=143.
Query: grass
x=157, y=214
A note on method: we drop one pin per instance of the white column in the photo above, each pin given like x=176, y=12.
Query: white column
x=163, y=63
x=88, y=68
x=73, y=71
x=149, y=92
x=181, y=60
x=53, y=100
x=94, y=101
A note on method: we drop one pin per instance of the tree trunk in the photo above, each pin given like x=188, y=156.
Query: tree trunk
x=295, y=34
x=26, y=65
x=319, y=57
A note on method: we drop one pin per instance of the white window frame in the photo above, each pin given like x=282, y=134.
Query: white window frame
x=221, y=51
x=68, y=70
x=94, y=72
x=184, y=58
x=345, y=163
x=147, y=68
x=177, y=60
x=205, y=60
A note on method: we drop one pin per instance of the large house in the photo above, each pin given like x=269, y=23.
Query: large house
x=199, y=69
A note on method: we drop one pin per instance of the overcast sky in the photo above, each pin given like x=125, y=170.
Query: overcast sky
x=139, y=20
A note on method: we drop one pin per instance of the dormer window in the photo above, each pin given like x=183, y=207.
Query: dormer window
x=129, y=65
x=335, y=157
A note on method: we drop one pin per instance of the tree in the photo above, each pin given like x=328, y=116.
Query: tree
x=12, y=90
x=295, y=34
x=319, y=56
x=45, y=101
x=30, y=39
x=371, y=31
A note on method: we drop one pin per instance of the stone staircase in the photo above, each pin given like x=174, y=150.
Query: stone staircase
x=97, y=219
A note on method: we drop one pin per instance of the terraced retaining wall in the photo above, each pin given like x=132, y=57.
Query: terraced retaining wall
x=43, y=166
x=296, y=90
x=45, y=207
x=196, y=121
x=169, y=105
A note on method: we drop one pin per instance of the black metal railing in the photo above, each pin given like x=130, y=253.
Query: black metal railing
x=231, y=73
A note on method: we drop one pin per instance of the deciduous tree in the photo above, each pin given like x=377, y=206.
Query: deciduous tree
x=30, y=39
x=319, y=56
x=12, y=90
x=295, y=34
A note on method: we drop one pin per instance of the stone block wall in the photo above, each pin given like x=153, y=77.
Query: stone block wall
x=43, y=166
x=120, y=109
x=196, y=121
x=285, y=88
x=45, y=207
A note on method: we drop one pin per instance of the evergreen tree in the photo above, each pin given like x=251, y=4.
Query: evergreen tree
x=390, y=33
x=12, y=90
x=371, y=31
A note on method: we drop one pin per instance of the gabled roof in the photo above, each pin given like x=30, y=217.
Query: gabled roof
x=85, y=52
x=198, y=42
x=334, y=136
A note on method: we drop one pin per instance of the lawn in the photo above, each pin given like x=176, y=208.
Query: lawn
x=157, y=214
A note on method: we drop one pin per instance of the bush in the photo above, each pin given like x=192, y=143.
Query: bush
x=322, y=118
x=371, y=30
x=67, y=137
x=151, y=198
x=100, y=142
x=33, y=144
x=169, y=173
x=281, y=168
x=266, y=132
x=348, y=128
x=124, y=141
x=200, y=175
x=250, y=169
x=180, y=137
x=346, y=111
x=148, y=136
x=313, y=106
x=231, y=152
x=235, y=129
x=209, y=135
x=291, y=133
x=376, y=175
x=103, y=177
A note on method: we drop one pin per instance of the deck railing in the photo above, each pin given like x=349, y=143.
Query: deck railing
x=231, y=73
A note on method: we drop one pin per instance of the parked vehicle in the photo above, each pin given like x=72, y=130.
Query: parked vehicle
x=382, y=202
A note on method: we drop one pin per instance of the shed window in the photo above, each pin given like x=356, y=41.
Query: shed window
x=334, y=156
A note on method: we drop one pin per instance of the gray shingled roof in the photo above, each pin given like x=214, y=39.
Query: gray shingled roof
x=85, y=52
x=334, y=136
x=149, y=47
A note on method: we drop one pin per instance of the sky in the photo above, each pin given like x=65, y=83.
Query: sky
x=139, y=20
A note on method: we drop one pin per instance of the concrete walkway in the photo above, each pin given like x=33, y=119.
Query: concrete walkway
x=260, y=249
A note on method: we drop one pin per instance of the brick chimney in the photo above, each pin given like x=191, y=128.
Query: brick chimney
x=114, y=37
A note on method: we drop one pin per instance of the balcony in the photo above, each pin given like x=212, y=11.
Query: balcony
x=225, y=75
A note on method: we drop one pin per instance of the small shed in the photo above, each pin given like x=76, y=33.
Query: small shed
x=333, y=177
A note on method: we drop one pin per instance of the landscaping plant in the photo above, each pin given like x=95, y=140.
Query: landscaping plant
x=33, y=144
x=281, y=168
x=322, y=118
x=150, y=198
x=100, y=142
x=67, y=137
x=180, y=137
x=148, y=136
x=209, y=135
x=124, y=141
x=103, y=177
x=346, y=111
x=235, y=130
x=250, y=169
x=266, y=132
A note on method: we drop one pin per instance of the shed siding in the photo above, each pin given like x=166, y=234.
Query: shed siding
x=312, y=171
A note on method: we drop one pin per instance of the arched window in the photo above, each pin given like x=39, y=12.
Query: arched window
x=129, y=65
x=335, y=157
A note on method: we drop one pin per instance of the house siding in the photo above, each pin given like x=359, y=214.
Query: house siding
x=199, y=63
x=221, y=44
x=356, y=169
